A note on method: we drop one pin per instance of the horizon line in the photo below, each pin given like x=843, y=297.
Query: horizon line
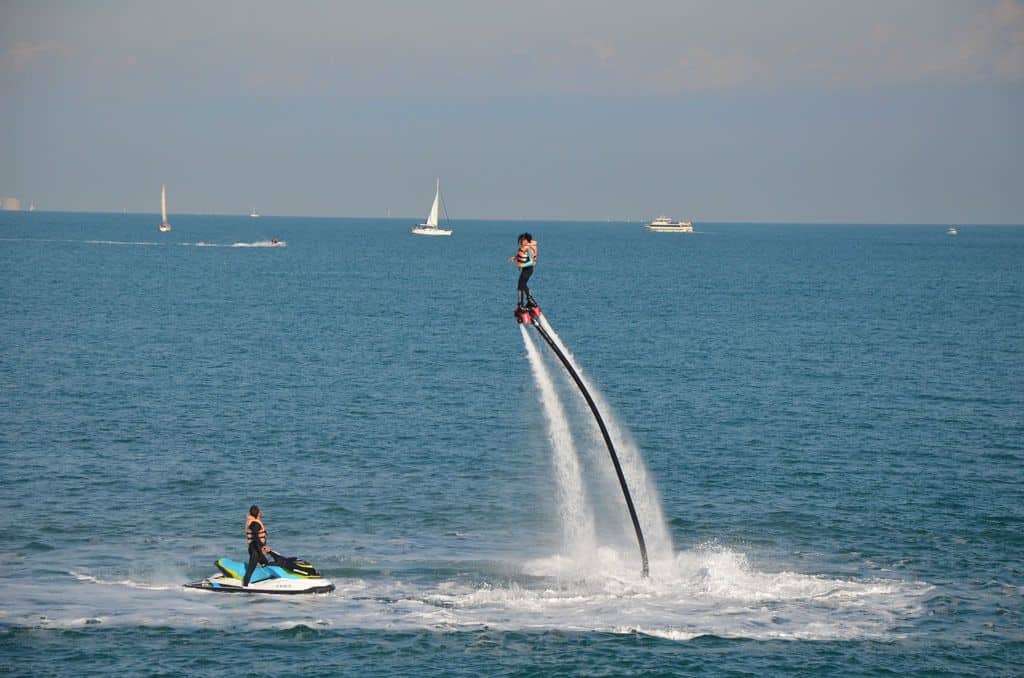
x=524, y=219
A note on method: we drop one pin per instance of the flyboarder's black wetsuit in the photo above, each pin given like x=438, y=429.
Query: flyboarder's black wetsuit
x=256, y=535
x=526, y=261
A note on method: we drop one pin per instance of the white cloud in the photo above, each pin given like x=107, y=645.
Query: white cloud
x=825, y=47
x=700, y=68
x=993, y=46
x=21, y=56
x=576, y=47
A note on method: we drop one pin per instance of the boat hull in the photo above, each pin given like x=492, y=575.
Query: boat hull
x=670, y=229
x=224, y=584
x=426, y=230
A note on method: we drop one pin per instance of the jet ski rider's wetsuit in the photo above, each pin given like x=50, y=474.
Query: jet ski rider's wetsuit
x=256, y=536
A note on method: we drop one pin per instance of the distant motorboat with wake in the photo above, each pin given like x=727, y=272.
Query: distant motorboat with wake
x=283, y=576
x=254, y=214
x=164, y=224
x=951, y=230
x=430, y=227
x=664, y=224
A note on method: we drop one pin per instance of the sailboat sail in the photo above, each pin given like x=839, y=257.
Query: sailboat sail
x=164, y=226
x=432, y=218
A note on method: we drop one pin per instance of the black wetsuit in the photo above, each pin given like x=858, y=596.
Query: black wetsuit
x=256, y=555
x=527, y=262
x=524, y=277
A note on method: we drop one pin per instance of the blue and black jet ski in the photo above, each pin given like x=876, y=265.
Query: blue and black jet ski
x=282, y=576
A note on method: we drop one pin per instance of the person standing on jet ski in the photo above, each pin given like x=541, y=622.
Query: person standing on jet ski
x=256, y=536
x=526, y=260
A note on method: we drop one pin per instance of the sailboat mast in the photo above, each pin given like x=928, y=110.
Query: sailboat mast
x=163, y=204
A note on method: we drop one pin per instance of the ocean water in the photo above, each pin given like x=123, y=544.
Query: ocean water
x=822, y=425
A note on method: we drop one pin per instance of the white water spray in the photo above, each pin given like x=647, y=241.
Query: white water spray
x=645, y=495
x=576, y=516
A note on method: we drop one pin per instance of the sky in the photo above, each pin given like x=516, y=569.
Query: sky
x=894, y=111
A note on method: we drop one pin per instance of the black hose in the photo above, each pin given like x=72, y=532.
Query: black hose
x=607, y=441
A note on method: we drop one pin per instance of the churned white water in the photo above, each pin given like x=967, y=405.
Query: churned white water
x=711, y=590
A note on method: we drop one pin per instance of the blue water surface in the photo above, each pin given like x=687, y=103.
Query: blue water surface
x=830, y=414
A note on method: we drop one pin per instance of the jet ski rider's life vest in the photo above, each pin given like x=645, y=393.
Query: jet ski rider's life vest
x=525, y=257
x=261, y=532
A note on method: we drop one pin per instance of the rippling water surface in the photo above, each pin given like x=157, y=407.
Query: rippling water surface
x=822, y=427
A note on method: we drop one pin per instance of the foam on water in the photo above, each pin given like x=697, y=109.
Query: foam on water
x=258, y=243
x=150, y=243
x=120, y=582
x=711, y=590
x=261, y=243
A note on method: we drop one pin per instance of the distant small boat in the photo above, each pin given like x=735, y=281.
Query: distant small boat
x=254, y=214
x=665, y=225
x=430, y=226
x=164, y=225
x=951, y=230
x=31, y=207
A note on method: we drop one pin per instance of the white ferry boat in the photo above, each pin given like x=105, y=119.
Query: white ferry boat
x=666, y=225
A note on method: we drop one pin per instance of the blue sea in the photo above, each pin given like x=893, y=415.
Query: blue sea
x=822, y=427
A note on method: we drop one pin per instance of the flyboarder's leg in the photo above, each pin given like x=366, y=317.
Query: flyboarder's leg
x=524, y=289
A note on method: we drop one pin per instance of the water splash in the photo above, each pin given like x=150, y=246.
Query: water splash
x=642, y=488
x=711, y=590
x=574, y=511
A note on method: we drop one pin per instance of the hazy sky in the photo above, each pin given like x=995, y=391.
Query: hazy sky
x=865, y=111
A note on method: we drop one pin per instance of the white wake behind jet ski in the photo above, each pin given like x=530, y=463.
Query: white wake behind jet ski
x=282, y=576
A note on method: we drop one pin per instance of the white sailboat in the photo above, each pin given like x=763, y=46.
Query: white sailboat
x=430, y=227
x=164, y=226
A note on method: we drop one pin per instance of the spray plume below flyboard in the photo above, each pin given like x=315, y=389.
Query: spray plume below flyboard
x=533, y=316
x=573, y=508
x=644, y=493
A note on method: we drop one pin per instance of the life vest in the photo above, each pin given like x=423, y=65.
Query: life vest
x=249, y=520
x=525, y=256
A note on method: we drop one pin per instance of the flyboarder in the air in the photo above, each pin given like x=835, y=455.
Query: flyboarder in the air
x=528, y=313
x=525, y=260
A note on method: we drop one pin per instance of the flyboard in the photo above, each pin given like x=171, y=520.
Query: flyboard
x=530, y=315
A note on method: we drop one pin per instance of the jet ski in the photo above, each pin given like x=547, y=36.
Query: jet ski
x=282, y=576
